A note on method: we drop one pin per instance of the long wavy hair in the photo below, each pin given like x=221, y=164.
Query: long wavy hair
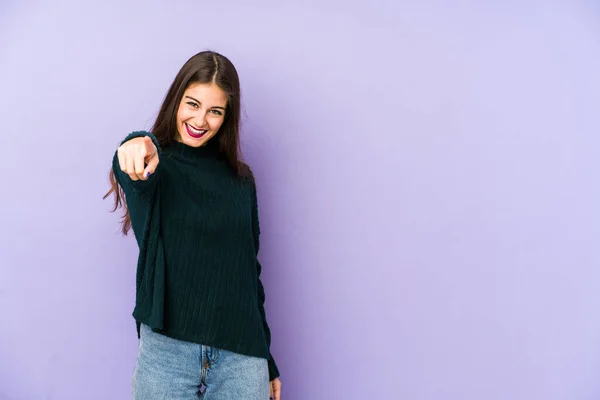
x=204, y=67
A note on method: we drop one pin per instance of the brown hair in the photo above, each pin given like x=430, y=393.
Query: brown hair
x=204, y=67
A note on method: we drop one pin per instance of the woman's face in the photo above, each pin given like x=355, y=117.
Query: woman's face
x=200, y=114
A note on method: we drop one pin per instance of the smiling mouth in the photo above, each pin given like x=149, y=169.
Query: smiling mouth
x=195, y=133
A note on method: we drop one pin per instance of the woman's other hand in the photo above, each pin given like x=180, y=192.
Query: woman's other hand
x=276, y=389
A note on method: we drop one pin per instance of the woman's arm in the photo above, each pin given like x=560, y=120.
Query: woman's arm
x=273, y=370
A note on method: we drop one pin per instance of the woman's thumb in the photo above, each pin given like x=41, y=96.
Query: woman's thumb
x=148, y=143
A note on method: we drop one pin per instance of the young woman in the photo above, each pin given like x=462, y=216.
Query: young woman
x=192, y=205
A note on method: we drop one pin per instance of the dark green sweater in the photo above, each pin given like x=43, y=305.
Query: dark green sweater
x=198, y=276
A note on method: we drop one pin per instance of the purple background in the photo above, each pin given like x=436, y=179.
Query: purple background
x=428, y=189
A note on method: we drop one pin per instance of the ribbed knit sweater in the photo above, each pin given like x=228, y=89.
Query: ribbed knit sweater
x=197, y=229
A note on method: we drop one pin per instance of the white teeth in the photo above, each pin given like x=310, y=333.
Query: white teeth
x=196, y=131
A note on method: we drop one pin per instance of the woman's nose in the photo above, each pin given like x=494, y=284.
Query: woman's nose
x=200, y=120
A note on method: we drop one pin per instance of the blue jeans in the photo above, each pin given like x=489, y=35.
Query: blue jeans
x=168, y=368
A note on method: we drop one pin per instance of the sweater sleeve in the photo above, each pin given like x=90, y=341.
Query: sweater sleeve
x=273, y=370
x=140, y=188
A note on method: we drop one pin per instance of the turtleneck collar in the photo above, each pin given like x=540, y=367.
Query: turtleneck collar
x=209, y=150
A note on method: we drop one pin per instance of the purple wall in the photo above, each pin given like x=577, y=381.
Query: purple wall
x=428, y=188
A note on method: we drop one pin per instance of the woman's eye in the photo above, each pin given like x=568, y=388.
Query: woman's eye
x=191, y=103
x=216, y=112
